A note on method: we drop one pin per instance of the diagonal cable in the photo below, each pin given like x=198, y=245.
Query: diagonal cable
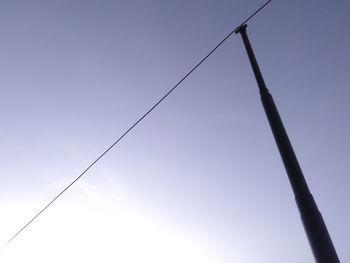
x=133, y=126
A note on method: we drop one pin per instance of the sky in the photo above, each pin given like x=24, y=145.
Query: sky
x=200, y=179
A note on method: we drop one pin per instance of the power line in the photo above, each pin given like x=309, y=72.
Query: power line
x=134, y=125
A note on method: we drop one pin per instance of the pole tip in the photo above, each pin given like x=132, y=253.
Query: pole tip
x=241, y=28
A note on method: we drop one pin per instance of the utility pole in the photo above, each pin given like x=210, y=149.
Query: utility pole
x=315, y=228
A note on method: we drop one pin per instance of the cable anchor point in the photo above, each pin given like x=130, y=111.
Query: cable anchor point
x=241, y=28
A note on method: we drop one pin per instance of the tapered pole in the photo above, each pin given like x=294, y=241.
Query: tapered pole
x=315, y=228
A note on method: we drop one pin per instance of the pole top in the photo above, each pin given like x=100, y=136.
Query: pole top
x=241, y=28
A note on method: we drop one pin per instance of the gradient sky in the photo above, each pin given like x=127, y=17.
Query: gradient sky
x=199, y=180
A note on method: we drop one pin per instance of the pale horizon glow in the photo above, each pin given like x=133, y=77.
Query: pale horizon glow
x=109, y=231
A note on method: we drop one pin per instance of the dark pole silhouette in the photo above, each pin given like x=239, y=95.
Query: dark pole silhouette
x=315, y=228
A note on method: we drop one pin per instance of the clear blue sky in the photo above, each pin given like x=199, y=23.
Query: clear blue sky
x=199, y=180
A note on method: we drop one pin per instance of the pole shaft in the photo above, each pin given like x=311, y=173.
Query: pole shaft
x=315, y=228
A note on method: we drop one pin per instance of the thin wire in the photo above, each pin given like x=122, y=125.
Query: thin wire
x=135, y=124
